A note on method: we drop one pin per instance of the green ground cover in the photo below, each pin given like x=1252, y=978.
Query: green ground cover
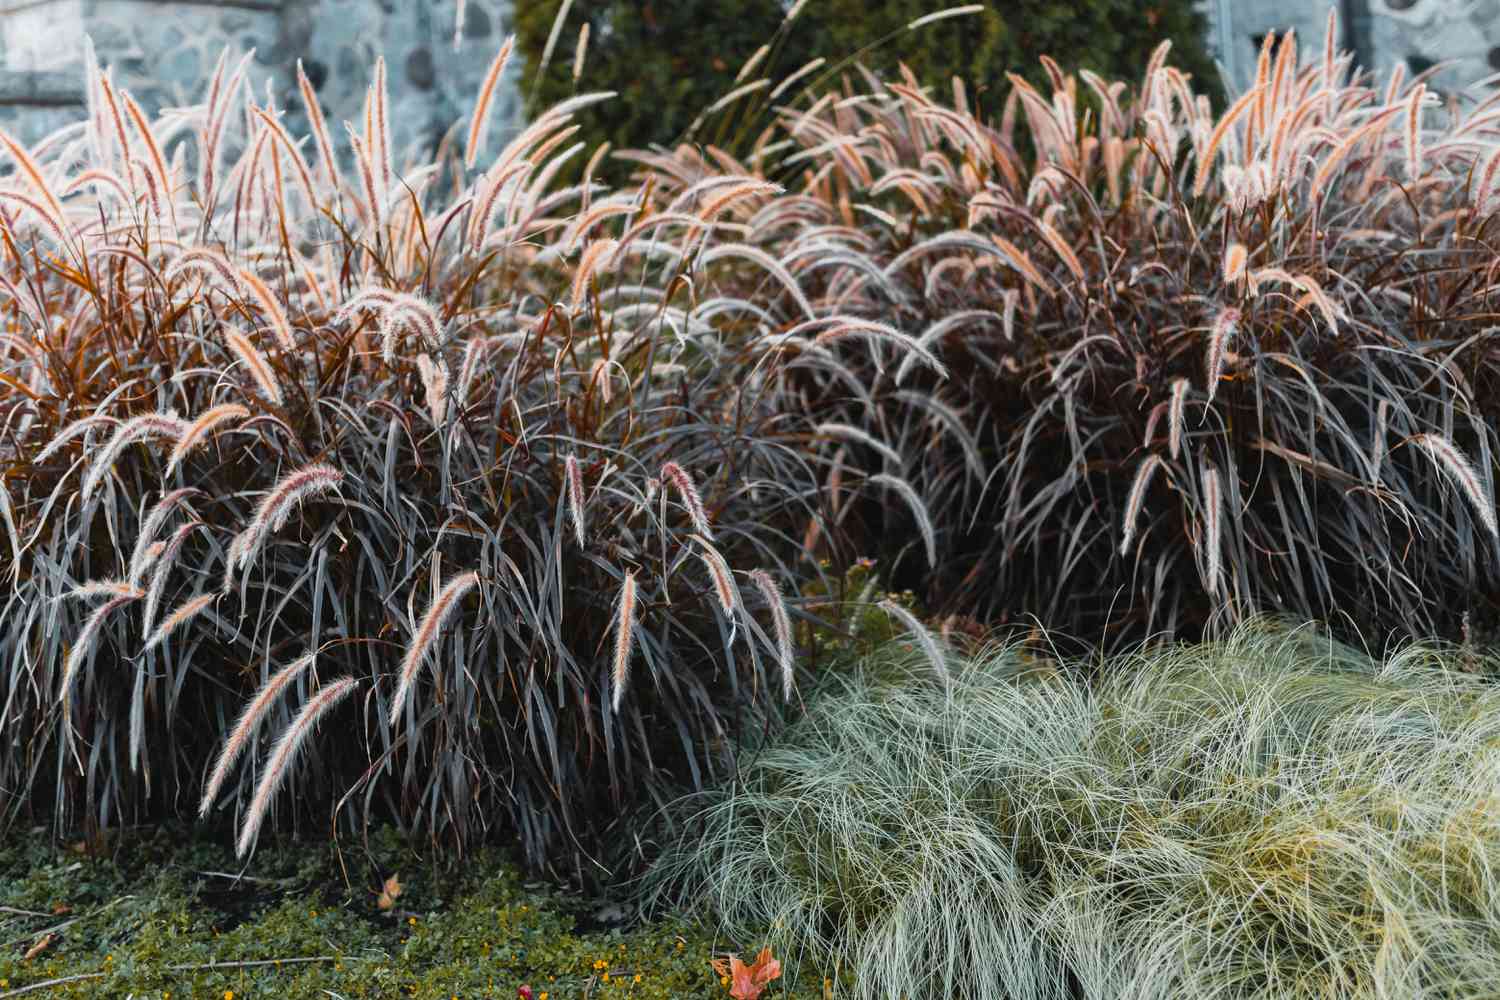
x=158, y=913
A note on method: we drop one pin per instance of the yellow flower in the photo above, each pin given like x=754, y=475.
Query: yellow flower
x=412, y=921
x=229, y=995
x=606, y=977
x=543, y=995
x=723, y=980
x=637, y=977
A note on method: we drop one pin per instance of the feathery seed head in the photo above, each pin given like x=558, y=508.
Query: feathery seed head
x=437, y=614
x=624, y=638
x=781, y=627
x=687, y=491
x=282, y=754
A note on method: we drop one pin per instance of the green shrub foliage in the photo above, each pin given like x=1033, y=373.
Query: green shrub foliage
x=668, y=62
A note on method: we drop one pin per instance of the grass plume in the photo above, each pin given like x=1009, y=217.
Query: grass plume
x=283, y=753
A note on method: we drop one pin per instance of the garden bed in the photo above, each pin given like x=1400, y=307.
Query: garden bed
x=159, y=912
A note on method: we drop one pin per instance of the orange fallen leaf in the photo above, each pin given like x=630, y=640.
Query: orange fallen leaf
x=43, y=943
x=748, y=982
x=390, y=892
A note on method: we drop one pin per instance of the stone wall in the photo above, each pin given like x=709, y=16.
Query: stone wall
x=163, y=52
x=1420, y=33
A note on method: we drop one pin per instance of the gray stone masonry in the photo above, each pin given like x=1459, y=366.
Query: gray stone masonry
x=164, y=51
x=1420, y=33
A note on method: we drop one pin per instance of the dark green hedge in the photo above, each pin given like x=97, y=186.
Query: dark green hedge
x=670, y=59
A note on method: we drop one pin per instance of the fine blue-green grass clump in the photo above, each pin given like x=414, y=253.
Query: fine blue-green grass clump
x=1274, y=815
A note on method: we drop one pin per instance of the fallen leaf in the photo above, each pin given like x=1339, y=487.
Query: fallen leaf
x=748, y=982
x=390, y=893
x=42, y=945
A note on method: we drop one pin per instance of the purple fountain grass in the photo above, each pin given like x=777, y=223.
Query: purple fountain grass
x=913, y=501
x=244, y=727
x=1414, y=133
x=210, y=262
x=275, y=508
x=441, y=609
x=310, y=104
x=293, y=152
x=373, y=203
x=624, y=639
x=1137, y=498
x=151, y=525
x=849, y=432
x=198, y=431
x=434, y=377
x=925, y=640
x=382, y=145
x=244, y=314
x=718, y=571
x=581, y=51
x=189, y=610
x=1176, y=421
x=84, y=643
x=162, y=565
x=687, y=491
x=781, y=627
x=480, y=120
x=268, y=304
x=407, y=312
x=1219, y=336
x=1461, y=471
x=575, y=496
x=284, y=752
x=589, y=262
x=103, y=588
x=29, y=168
x=73, y=430
x=1213, y=527
x=1235, y=259
x=156, y=164
x=255, y=364
x=149, y=425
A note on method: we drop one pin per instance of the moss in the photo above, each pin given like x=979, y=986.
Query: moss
x=153, y=914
